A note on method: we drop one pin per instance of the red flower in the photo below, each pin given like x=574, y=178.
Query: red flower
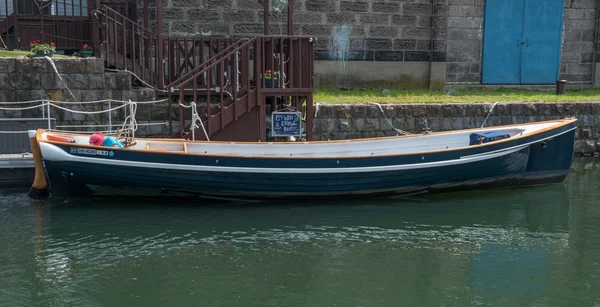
x=39, y=41
x=52, y=44
x=85, y=46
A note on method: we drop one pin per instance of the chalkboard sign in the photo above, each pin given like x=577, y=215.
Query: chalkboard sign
x=286, y=123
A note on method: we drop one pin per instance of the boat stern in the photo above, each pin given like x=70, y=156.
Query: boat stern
x=550, y=159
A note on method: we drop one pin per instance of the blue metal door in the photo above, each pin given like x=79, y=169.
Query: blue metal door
x=502, y=41
x=521, y=42
x=542, y=30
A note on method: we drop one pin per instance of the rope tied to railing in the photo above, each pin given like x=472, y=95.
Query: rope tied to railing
x=195, y=119
x=131, y=118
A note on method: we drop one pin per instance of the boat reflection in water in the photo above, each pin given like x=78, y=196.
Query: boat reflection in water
x=489, y=245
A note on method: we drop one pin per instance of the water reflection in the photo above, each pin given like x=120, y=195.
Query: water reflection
x=517, y=247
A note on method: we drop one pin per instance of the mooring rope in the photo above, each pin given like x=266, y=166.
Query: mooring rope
x=489, y=113
x=389, y=121
x=195, y=118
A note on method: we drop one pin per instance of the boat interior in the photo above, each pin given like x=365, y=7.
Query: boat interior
x=355, y=147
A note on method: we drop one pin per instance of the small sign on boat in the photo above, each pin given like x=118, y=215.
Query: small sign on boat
x=286, y=123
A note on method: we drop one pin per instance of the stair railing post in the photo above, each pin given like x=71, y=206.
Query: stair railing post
x=95, y=5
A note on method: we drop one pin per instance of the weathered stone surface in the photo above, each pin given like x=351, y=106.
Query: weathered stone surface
x=96, y=81
x=5, y=81
x=123, y=81
x=320, y=5
x=340, y=18
x=240, y=16
x=110, y=81
x=390, y=7
x=76, y=81
x=51, y=82
x=345, y=125
x=94, y=65
x=585, y=146
x=354, y=6
x=25, y=80
x=7, y=65
x=386, y=124
x=37, y=94
x=71, y=66
x=359, y=124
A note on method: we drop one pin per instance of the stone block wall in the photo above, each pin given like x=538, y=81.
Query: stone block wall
x=577, y=52
x=346, y=30
x=338, y=122
x=23, y=79
x=465, y=41
x=352, y=33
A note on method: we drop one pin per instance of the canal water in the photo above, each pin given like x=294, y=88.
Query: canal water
x=520, y=247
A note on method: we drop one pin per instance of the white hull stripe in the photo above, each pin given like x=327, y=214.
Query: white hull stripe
x=53, y=153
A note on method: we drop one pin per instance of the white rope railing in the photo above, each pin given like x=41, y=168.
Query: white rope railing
x=92, y=126
x=81, y=102
x=45, y=105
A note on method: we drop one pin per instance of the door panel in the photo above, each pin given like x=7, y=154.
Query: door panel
x=542, y=34
x=502, y=41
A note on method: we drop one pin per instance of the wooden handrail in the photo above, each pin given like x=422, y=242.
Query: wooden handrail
x=216, y=61
x=201, y=68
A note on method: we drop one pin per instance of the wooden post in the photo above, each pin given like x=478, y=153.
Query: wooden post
x=96, y=36
x=39, y=188
x=309, y=117
x=17, y=40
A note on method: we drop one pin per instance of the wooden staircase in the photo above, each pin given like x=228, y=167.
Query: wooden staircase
x=223, y=76
x=224, y=79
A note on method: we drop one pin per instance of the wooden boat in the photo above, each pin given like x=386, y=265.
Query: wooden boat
x=493, y=157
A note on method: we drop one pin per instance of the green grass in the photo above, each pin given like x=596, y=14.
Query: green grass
x=14, y=54
x=338, y=96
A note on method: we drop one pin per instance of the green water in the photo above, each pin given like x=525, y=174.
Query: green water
x=527, y=247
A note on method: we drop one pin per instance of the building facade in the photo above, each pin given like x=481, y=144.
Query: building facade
x=419, y=43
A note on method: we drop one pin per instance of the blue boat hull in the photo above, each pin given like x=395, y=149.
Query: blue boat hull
x=543, y=158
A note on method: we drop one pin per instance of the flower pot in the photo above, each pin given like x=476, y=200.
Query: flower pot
x=86, y=53
x=269, y=82
x=41, y=55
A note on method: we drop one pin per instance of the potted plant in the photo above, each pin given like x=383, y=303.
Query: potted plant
x=86, y=51
x=271, y=79
x=41, y=50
